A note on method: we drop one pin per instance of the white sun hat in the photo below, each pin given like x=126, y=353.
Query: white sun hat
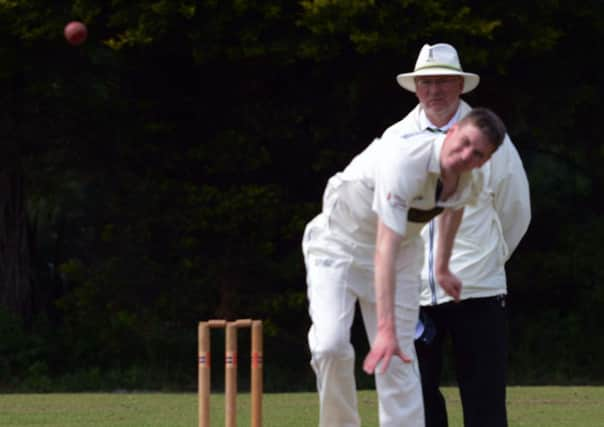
x=440, y=59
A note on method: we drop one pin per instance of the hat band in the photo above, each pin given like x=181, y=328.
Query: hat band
x=440, y=66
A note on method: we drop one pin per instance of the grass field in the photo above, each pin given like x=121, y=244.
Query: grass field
x=527, y=407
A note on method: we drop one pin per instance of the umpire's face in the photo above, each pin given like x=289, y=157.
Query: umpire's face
x=439, y=95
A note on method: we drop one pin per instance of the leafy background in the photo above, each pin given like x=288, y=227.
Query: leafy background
x=162, y=173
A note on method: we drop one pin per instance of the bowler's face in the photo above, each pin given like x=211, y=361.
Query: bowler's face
x=465, y=148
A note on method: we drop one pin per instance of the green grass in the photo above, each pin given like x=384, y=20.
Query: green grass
x=527, y=407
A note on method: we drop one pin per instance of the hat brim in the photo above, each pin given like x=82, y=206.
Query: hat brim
x=407, y=80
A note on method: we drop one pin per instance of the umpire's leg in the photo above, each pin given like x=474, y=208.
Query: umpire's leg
x=430, y=356
x=480, y=345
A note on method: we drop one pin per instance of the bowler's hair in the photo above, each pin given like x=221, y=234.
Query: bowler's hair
x=488, y=123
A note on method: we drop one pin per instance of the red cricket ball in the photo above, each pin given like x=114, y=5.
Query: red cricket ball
x=75, y=33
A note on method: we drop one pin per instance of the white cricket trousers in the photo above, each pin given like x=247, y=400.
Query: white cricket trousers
x=337, y=277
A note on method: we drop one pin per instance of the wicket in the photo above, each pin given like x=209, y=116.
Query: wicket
x=230, y=370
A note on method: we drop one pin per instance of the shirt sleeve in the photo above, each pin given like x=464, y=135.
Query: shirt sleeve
x=396, y=182
x=512, y=195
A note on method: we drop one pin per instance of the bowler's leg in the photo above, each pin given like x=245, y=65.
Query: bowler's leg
x=399, y=388
x=331, y=307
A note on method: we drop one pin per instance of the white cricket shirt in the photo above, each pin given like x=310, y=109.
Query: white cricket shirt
x=393, y=179
x=491, y=228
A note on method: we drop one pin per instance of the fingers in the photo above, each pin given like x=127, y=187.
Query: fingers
x=372, y=360
x=374, y=357
x=385, y=363
x=450, y=284
x=369, y=364
x=452, y=288
x=404, y=357
x=456, y=291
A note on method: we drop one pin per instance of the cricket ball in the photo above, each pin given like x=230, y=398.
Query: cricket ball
x=75, y=33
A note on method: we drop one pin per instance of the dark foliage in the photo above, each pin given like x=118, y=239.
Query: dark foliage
x=167, y=167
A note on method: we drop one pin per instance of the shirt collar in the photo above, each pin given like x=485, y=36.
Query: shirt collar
x=434, y=163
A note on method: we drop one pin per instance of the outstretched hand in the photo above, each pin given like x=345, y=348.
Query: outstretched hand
x=383, y=349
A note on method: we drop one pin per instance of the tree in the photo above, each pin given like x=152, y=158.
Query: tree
x=163, y=172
